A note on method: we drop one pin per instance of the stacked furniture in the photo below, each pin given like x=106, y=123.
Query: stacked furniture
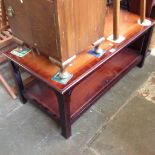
x=93, y=73
x=150, y=11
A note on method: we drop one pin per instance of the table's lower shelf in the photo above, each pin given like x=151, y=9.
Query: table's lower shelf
x=88, y=90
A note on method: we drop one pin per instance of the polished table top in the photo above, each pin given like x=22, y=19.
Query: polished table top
x=84, y=64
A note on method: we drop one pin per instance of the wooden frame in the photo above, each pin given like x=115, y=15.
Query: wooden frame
x=9, y=89
x=5, y=40
x=3, y=18
x=6, y=37
x=142, y=10
x=64, y=27
x=150, y=7
x=116, y=15
x=67, y=40
x=5, y=32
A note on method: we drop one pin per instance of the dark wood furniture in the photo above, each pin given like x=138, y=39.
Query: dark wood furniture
x=134, y=6
x=92, y=76
x=61, y=30
x=4, y=82
x=124, y=3
x=3, y=18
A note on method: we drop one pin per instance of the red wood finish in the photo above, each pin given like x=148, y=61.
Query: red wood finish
x=85, y=63
x=92, y=76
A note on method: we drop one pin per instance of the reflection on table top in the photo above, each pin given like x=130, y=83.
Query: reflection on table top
x=84, y=63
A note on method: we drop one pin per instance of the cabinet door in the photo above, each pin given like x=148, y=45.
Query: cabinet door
x=19, y=21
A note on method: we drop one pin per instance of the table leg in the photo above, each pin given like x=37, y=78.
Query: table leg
x=18, y=81
x=128, y=4
x=64, y=109
x=145, y=47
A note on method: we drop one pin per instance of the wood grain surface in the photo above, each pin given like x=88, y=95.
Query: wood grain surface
x=85, y=63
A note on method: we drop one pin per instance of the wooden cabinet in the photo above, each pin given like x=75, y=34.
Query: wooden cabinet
x=57, y=28
x=92, y=76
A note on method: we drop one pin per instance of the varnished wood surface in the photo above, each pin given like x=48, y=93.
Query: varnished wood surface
x=83, y=95
x=81, y=24
x=85, y=63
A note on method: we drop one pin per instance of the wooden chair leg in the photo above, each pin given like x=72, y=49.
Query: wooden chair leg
x=7, y=87
x=3, y=14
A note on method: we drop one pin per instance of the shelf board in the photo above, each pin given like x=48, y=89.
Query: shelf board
x=87, y=91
